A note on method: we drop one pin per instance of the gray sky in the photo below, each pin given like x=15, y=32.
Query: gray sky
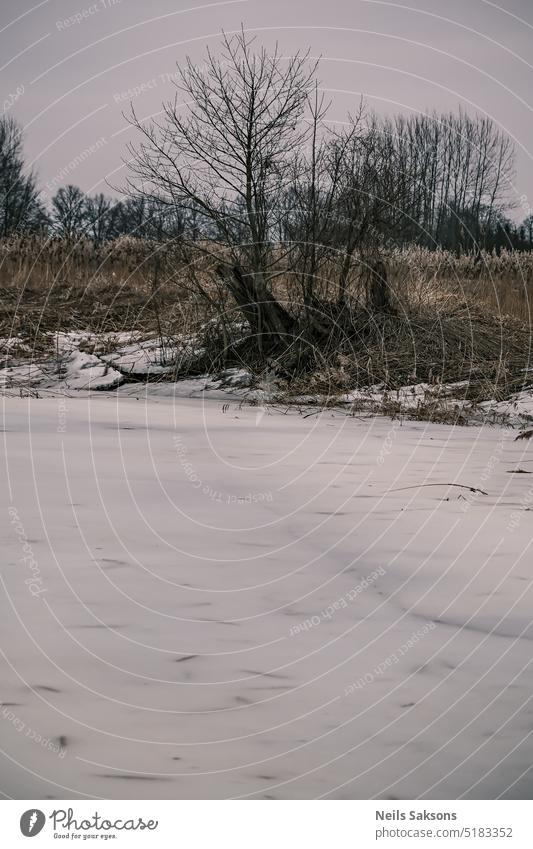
x=67, y=81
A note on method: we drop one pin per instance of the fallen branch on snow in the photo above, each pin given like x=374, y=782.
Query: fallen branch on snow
x=462, y=486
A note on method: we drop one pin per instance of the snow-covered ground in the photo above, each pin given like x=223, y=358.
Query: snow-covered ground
x=83, y=361
x=210, y=602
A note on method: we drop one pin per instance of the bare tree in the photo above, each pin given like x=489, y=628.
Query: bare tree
x=223, y=155
x=99, y=217
x=308, y=216
x=370, y=195
x=20, y=208
x=458, y=170
x=69, y=212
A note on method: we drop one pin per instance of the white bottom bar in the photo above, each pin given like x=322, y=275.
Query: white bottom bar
x=253, y=825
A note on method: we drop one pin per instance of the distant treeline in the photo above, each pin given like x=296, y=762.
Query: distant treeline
x=438, y=181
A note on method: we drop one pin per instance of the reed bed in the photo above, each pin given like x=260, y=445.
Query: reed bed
x=455, y=319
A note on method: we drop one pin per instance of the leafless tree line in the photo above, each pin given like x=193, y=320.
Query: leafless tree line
x=243, y=170
x=74, y=215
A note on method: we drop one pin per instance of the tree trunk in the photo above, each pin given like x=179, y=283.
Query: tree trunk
x=269, y=321
x=377, y=287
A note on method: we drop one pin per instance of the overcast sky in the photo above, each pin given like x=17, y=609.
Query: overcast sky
x=67, y=79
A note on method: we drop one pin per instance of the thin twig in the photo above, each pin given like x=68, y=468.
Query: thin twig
x=462, y=486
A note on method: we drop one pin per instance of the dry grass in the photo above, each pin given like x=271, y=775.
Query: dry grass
x=48, y=286
x=502, y=284
x=456, y=319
